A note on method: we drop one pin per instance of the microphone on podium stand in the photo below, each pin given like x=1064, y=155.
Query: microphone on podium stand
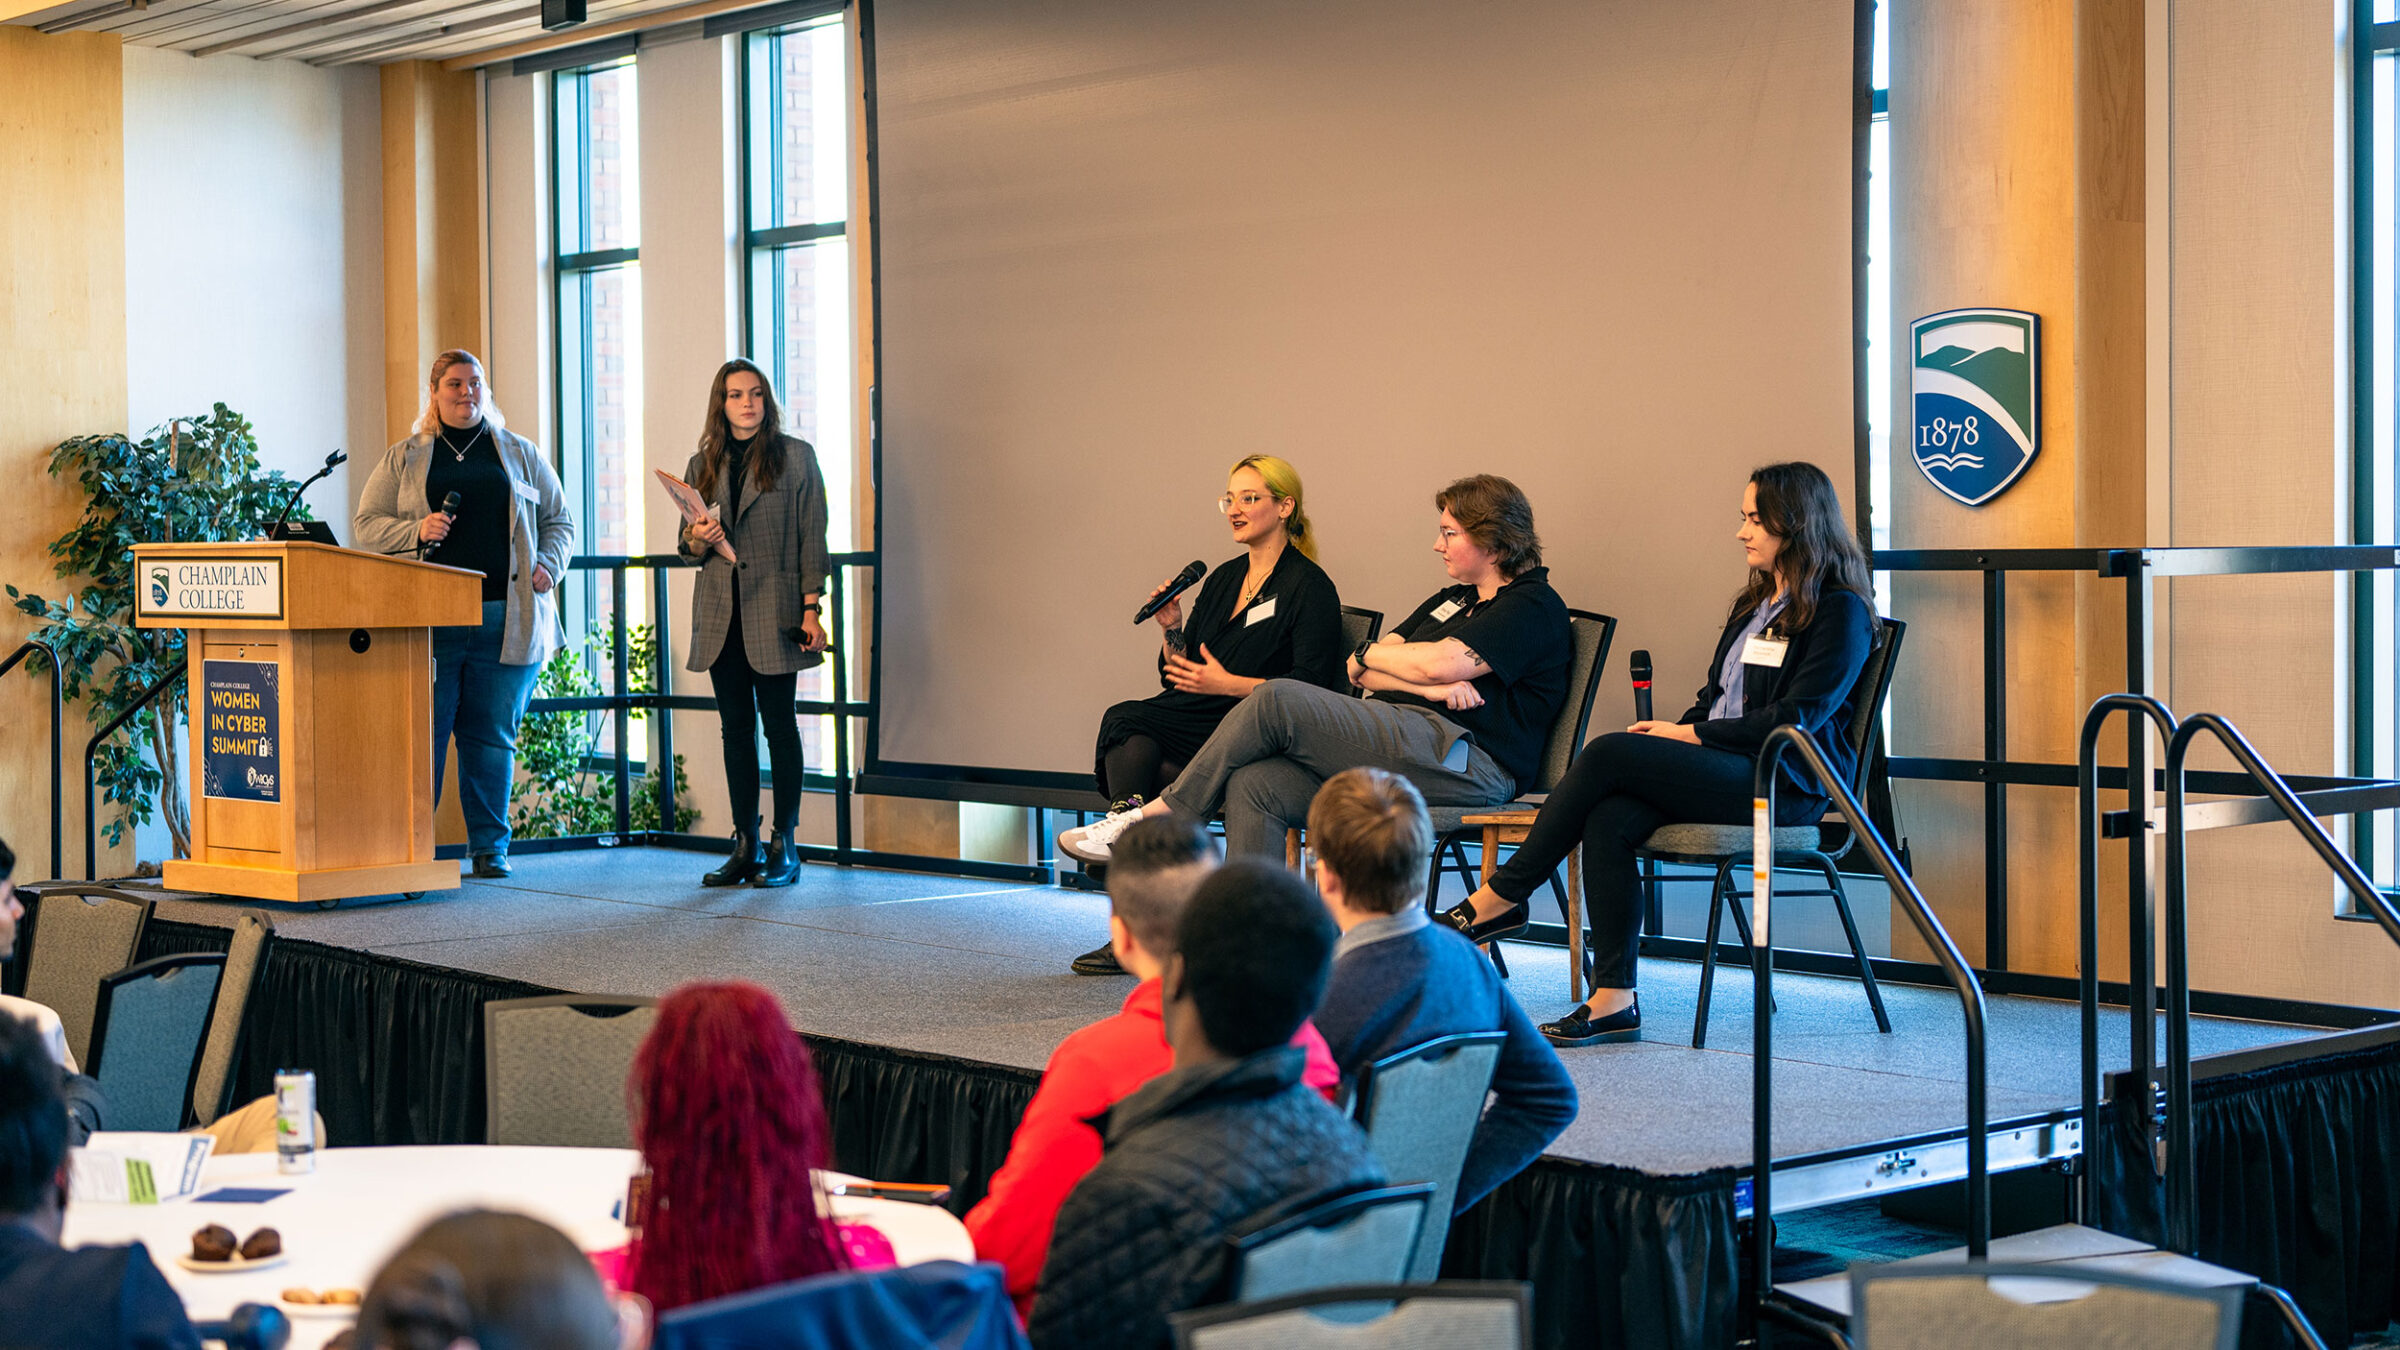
x=1641, y=686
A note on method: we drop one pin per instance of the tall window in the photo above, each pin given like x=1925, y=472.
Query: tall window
x=599, y=330
x=2376, y=621
x=1879, y=298
x=796, y=208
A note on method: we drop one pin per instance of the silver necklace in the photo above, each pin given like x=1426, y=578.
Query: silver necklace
x=457, y=452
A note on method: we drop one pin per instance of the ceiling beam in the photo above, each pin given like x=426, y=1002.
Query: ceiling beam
x=309, y=25
x=389, y=42
x=594, y=32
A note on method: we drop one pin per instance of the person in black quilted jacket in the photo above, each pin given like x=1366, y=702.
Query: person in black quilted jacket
x=1227, y=1141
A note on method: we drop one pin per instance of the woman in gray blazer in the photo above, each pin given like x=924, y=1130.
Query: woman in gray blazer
x=465, y=491
x=756, y=620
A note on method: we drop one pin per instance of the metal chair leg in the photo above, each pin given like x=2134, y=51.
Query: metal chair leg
x=1741, y=926
x=1653, y=914
x=1718, y=899
x=1858, y=949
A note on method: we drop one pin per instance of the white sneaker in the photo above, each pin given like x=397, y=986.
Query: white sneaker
x=1090, y=843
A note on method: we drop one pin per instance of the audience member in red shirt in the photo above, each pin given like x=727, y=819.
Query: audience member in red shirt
x=1152, y=872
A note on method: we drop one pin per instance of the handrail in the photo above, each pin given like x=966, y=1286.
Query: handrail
x=2182, y=1173
x=1762, y=962
x=91, y=809
x=2141, y=981
x=58, y=744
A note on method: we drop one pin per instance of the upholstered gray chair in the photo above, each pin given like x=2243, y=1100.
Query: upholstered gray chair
x=80, y=934
x=245, y=960
x=1943, y=1306
x=1420, y=1108
x=1362, y=1237
x=147, y=1028
x=555, y=1068
x=1489, y=1316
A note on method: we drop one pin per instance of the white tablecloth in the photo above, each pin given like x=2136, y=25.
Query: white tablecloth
x=342, y=1222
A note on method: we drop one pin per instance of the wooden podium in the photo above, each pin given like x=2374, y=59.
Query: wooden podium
x=311, y=706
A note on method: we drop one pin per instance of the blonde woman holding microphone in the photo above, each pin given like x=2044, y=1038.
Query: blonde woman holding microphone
x=757, y=618
x=465, y=491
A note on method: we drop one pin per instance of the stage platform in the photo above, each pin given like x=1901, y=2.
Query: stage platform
x=933, y=1002
x=978, y=970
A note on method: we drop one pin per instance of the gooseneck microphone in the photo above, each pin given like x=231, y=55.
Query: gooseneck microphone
x=1184, y=581
x=332, y=462
x=1641, y=686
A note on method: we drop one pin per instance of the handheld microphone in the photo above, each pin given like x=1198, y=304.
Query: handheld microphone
x=450, y=509
x=1641, y=686
x=1184, y=581
x=332, y=462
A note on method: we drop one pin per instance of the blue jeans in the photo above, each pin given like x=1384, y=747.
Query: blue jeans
x=482, y=700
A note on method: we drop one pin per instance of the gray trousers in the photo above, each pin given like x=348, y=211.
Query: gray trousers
x=1265, y=761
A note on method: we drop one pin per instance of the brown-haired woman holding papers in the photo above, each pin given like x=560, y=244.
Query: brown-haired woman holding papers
x=1269, y=613
x=756, y=617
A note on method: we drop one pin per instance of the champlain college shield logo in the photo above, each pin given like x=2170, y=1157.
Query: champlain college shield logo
x=158, y=587
x=1973, y=379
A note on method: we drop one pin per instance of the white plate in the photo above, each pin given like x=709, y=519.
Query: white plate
x=344, y=1311
x=232, y=1267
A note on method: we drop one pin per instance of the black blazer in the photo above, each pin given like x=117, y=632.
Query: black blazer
x=1815, y=689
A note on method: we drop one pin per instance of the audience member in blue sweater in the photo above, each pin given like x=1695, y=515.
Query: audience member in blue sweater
x=1400, y=979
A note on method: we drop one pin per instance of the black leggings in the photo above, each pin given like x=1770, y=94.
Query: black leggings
x=1622, y=787
x=1136, y=767
x=744, y=699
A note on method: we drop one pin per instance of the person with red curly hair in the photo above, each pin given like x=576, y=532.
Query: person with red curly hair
x=732, y=1130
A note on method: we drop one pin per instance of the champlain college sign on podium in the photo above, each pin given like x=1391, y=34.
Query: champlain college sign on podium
x=310, y=675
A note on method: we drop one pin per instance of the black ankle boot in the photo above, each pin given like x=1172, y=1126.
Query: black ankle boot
x=782, y=865
x=743, y=865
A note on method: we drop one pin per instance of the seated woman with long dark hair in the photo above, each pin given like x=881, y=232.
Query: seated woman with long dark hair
x=732, y=1130
x=1791, y=651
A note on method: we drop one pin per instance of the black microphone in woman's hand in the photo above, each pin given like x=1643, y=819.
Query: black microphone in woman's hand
x=450, y=506
x=1184, y=580
x=1641, y=686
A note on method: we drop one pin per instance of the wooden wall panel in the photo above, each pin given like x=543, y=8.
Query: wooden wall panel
x=62, y=341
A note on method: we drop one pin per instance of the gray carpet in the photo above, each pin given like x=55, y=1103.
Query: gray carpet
x=978, y=969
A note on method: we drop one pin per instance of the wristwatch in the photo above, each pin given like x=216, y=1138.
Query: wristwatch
x=812, y=608
x=1359, y=654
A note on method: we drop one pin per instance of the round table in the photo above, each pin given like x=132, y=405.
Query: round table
x=343, y=1221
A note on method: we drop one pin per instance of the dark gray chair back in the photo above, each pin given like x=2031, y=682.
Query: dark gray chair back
x=80, y=934
x=1493, y=1315
x=1946, y=1305
x=1360, y=625
x=1874, y=686
x=245, y=959
x=1420, y=1108
x=147, y=1028
x=1361, y=1237
x=555, y=1068
x=1591, y=634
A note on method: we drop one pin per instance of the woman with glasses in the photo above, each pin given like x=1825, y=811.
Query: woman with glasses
x=1269, y=613
x=1460, y=696
x=755, y=615
x=1795, y=639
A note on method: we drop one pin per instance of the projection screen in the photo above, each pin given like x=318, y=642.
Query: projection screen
x=1602, y=247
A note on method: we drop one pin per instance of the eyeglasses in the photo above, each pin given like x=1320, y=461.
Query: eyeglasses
x=1250, y=501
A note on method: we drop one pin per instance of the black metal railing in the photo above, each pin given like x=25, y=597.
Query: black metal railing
x=620, y=705
x=2138, y=569
x=91, y=752
x=1762, y=1060
x=58, y=744
x=2182, y=1172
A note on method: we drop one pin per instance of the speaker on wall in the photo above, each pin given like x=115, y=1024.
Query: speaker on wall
x=557, y=14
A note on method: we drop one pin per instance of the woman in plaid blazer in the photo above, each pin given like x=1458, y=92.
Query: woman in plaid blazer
x=756, y=620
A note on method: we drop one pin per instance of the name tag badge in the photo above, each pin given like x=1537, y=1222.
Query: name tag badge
x=1764, y=651
x=1443, y=611
x=1259, y=611
x=527, y=491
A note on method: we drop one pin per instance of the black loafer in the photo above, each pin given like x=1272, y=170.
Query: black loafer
x=1581, y=1028
x=491, y=866
x=1100, y=962
x=1510, y=922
